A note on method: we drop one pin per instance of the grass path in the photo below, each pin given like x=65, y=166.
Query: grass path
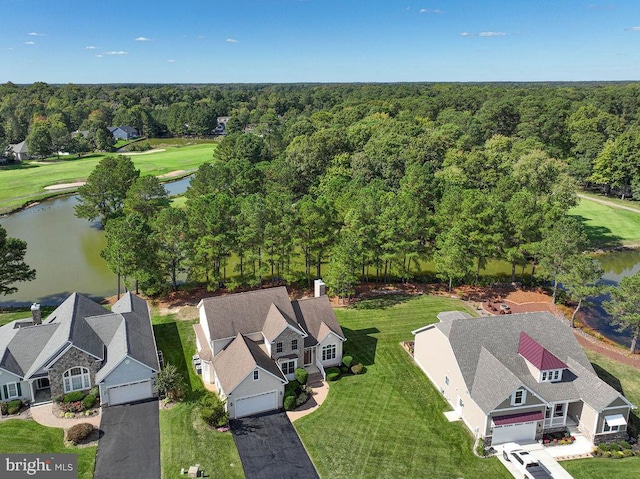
x=607, y=202
x=608, y=224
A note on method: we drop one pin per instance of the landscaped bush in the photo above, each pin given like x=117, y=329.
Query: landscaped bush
x=624, y=445
x=88, y=401
x=481, y=450
x=79, y=432
x=212, y=410
x=13, y=407
x=302, y=375
x=357, y=368
x=289, y=402
x=344, y=369
x=333, y=374
x=301, y=399
x=291, y=387
x=74, y=396
x=71, y=407
x=3, y=408
x=347, y=360
x=95, y=391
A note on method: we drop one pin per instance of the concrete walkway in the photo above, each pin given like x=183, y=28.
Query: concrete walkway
x=319, y=394
x=44, y=415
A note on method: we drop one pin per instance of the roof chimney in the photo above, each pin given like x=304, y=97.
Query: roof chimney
x=35, y=314
x=319, y=288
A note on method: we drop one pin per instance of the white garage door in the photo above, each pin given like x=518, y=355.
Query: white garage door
x=256, y=404
x=130, y=393
x=519, y=432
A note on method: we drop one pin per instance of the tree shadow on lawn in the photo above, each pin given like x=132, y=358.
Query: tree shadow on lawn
x=385, y=301
x=361, y=345
x=599, y=235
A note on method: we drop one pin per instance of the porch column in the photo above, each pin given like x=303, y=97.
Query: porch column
x=33, y=392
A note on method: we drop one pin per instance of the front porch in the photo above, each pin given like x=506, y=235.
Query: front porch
x=42, y=396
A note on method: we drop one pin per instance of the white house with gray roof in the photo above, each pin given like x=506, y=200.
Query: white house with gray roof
x=512, y=378
x=251, y=343
x=78, y=346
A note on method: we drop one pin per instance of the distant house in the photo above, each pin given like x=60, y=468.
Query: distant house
x=221, y=128
x=80, y=345
x=250, y=345
x=20, y=151
x=514, y=378
x=123, y=132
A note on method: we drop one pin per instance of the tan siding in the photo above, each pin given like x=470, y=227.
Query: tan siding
x=433, y=354
x=204, y=323
x=531, y=400
x=588, y=420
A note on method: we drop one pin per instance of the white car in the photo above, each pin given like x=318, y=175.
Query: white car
x=524, y=462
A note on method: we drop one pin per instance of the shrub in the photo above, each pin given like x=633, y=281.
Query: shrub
x=344, y=369
x=604, y=447
x=13, y=407
x=347, y=360
x=627, y=453
x=302, y=375
x=357, y=368
x=289, y=403
x=306, y=389
x=624, y=445
x=3, y=408
x=74, y=396
x=292, y=386
x=333, y=374
x=79, y=432
x=212, y=410
x=88, y=401
x=480, y=448
x=169, y=382
x=95, y=391
x=617, y=455
x=301, y=399
x=72, y=407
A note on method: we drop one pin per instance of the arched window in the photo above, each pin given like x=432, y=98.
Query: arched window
x=76, y=379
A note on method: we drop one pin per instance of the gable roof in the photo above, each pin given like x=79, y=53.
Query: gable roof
x=317, y=317
x=244, y=313
x=238, y=359
x=537, y=355
x=276, y=322
x=84, y=324
x=500, y=336
x=20, y=147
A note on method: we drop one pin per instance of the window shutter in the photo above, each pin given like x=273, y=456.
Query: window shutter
x=19, y=389
x=6, y=392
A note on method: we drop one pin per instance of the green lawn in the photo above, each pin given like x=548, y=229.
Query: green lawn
x=389, y=421
x=19, y=436
x=184, y=438
x=21, y=313
x=607, y=225
x=601, y=468
x=26, y=182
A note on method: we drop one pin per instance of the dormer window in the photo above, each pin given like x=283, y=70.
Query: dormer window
x=550, y=376
x=519, y=397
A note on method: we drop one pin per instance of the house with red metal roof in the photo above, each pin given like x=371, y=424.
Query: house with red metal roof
x=514, y=378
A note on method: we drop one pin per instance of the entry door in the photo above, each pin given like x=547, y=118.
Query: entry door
x=42, y=383
x=308, y=356
x=459, y=406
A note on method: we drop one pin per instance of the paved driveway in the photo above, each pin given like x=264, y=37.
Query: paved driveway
x=129, y=445
x=270, y=447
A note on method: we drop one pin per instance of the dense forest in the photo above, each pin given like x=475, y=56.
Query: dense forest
x=365, y=180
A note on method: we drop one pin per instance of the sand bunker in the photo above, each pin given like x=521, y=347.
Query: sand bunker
x=64, y=186
x=172, y=174
x=148, y=152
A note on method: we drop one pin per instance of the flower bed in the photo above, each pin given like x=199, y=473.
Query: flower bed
x=557, y=439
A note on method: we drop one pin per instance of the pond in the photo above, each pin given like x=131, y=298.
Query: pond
x=64, y=250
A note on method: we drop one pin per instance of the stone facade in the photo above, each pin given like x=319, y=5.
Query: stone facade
x=71, y=359
x=615, y=436
x=286, y=337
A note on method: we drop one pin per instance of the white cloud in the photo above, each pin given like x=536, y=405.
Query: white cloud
x=436, y=11
x=34, y=34
x=232, y=40
x=112, y=52
x=492, y=34
x=633, y=29
x=171, y=61
x=29, y=43
x=90, y=47
x=99, y=55
x=466, y=34
x=143, y=39
x=423, y=10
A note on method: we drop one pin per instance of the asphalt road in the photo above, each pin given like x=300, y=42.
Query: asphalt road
x=269, y=448
x=129, y=445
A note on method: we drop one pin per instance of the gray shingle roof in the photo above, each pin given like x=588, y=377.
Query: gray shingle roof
x=499, y=336
x=316, y=316
x=27, y=344
x=141, y=344
x=244, y=313
x=276, y=322
x=238, y=359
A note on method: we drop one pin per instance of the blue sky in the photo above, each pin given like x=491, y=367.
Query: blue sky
x=187, y=41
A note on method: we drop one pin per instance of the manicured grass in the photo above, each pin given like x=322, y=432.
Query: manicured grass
x=22, y=313
x=607, y=225
x=184, y=438
x=19, y=436
x=389, y=422
x=601, y=468
x=632, y=203
x=26, y=182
